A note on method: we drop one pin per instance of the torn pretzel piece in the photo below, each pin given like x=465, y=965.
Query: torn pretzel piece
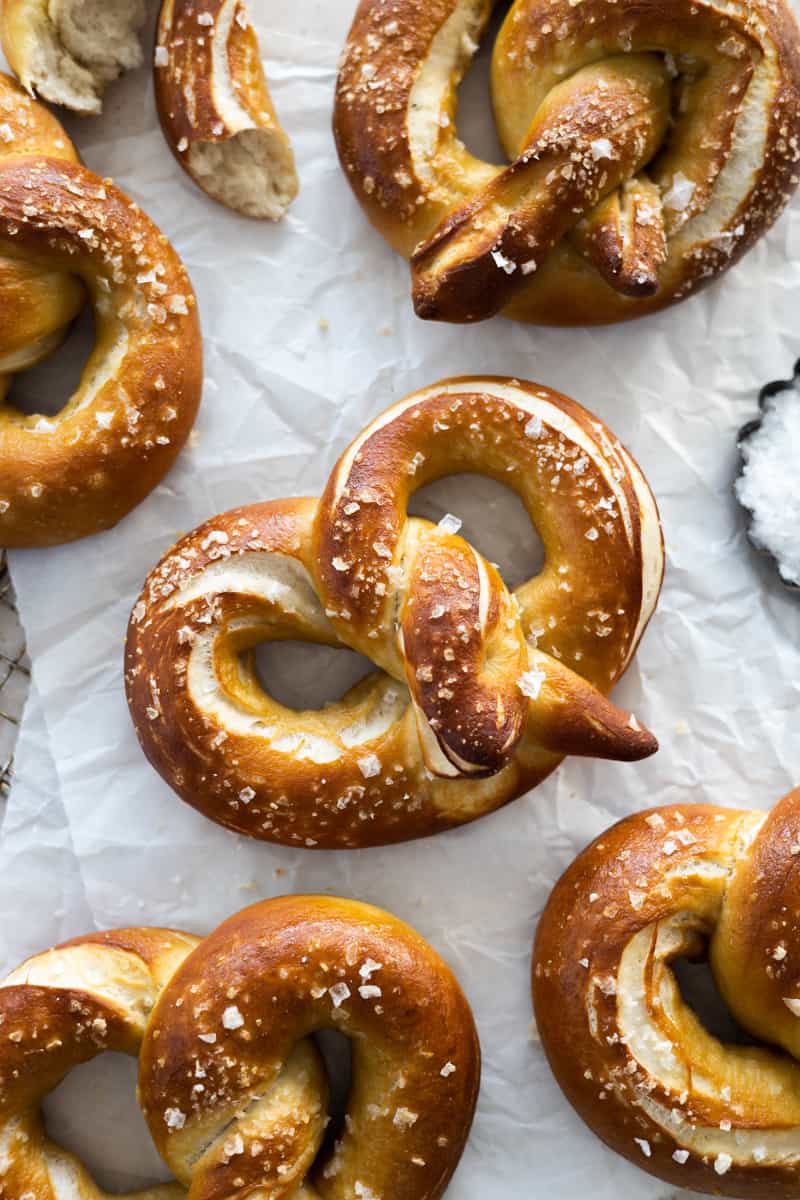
x=216, y=110
x=593, y=132
x=624, y=238
x=68, y=51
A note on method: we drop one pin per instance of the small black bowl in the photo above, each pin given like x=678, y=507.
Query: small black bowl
x=769, y=390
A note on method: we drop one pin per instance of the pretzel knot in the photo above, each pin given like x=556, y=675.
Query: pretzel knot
x=65, y=234
x=481, y=691
x=649, y=147
x=681, y=882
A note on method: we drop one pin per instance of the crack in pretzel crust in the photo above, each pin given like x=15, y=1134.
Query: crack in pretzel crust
x=58, y=1010
x=479, y=693
x=628, y=1052
x=66, y=234
x=230, y=1081
x=650, y=145
x=234, y=1093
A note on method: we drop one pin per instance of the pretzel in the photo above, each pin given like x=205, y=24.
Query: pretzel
x=81, y=471
x=650, y=145
x=212, y=96
x=58, y=1010
x=234, y=1091
x=234, y=1096
x=480, y=692
x=630, y=1055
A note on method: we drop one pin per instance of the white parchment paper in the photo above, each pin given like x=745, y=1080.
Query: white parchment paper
x=93, y=838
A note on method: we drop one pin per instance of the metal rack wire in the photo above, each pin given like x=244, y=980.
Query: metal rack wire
x=14, y=676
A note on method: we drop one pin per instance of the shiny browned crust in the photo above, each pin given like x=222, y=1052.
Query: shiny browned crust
x=191, y=91
x=248, y=763
x=83, y=470
x=51, y=1026
x=539, y=44
x=416, y=1065
x=735, y=879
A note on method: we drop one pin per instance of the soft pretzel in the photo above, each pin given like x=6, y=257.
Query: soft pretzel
x=212, y=96
x=235, y=1016
x=630, y=1055
x=650, y=145
x=59, y=1010
x=480, y=693
x=234, y=1090
x=78, y=472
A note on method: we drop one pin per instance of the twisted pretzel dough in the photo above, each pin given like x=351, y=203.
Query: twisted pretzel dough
x=480, y=694
x=61, y=1009
x=629, y=1053
x=215, y=108
x=235, y=1017
x=81, y=471
x=650, y=145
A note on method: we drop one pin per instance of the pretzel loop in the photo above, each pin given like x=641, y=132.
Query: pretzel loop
x=480, y=691
x=649, y=147
x=631, y=1055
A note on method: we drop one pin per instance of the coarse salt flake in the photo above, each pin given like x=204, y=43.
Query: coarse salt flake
x=601, y=148
x=339, y=993
x=679, y=195
x=450, y=524
x=505, y=264
x=369, y=766
x=404, y=1118
x=530, y=683
x=232, y=1018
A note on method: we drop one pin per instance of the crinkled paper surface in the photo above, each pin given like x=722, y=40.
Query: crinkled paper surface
x=92, y=837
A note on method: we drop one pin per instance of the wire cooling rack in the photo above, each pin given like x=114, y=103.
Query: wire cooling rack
x=14, y=676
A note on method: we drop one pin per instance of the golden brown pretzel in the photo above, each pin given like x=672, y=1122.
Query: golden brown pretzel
x=212, y=96
x=81, y=471
x=651, y=143
x=629, y=1053
x=481, y=693
x=60, y=1009
x=234, y=1096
